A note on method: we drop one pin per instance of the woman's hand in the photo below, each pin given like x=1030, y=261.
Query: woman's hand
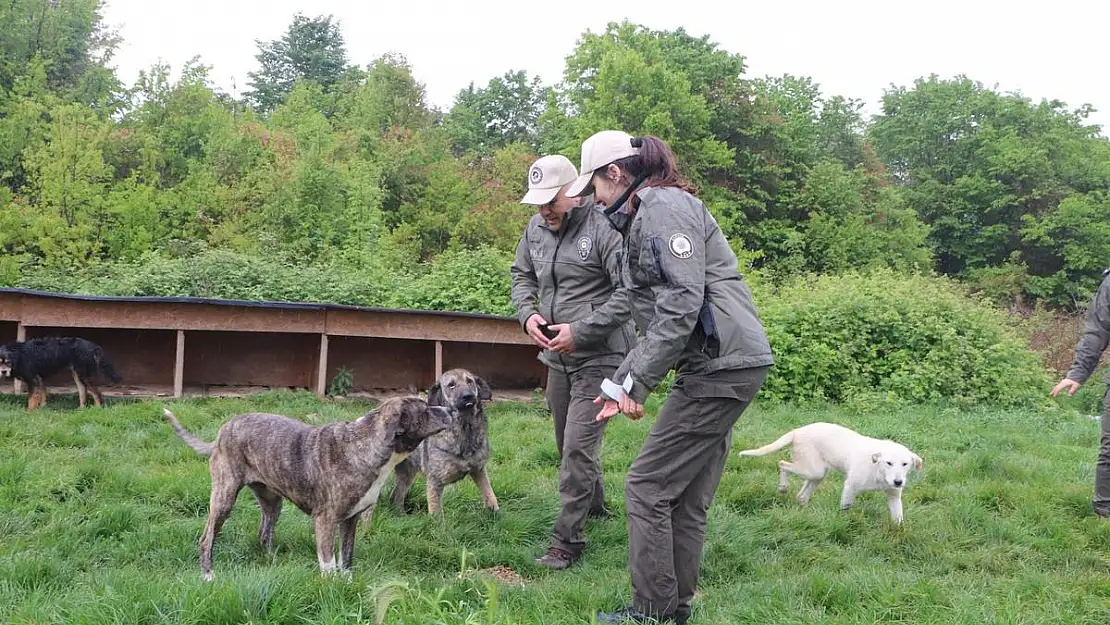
x=630, y=407
x=609, y=408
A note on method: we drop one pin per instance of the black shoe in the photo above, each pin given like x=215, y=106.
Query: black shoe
x=630, y=615
x=557, y=559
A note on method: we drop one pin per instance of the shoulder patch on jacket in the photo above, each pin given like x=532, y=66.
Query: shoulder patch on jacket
x=681, y=246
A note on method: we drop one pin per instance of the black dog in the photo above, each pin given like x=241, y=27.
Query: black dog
x=36, y=359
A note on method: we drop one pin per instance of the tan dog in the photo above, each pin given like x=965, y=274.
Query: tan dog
x=457, y=452
x=333, y=473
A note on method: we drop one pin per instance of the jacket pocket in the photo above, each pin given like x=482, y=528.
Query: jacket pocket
x=650, y=264
x=708, y=330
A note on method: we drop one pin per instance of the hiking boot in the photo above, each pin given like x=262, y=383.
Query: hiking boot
x=557, y=559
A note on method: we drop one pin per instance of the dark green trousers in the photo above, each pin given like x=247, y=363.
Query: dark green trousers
x=1102, y=468
x=673, y=481
x=578, y=438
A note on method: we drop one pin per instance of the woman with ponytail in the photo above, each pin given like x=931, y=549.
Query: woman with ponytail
x=681, y=284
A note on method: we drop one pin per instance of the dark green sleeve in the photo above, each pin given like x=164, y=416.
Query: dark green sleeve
x=1096, y=334
x=673, y=237
x=525, y=287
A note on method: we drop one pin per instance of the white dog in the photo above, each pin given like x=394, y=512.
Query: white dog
x=867, y=463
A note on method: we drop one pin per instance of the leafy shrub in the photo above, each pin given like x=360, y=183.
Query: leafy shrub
x=223, y=275
x=342, y=383
x=901, y=338
x=460, y=281
x=463, y=281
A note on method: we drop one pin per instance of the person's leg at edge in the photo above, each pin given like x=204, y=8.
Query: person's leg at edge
x=676, y=451
x=557, y=395
x=1101, y=499
x=580, y=471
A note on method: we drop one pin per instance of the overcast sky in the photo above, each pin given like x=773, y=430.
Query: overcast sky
x=854, y=48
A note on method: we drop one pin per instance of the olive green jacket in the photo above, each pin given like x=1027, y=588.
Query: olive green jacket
x=568, y=275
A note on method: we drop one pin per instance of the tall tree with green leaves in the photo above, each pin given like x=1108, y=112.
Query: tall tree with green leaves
x=990, y=172
x=312, y=49
x=505, y=111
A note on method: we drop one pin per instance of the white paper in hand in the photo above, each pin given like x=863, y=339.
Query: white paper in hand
x=610, y=390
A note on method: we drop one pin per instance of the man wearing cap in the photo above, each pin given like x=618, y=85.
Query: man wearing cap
x=566, y=270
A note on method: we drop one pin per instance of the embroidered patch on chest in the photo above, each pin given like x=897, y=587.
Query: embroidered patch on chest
x=681, y=246
x=584, y=245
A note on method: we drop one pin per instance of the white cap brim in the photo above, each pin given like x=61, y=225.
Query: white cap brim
x=539, y=197
x=581, y=185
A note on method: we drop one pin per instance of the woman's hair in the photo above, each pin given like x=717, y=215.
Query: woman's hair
x=657, y=163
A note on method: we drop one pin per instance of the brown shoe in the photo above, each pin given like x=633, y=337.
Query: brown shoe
x=557, y=559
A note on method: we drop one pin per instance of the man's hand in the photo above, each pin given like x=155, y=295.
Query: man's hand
x=564, y=342
x=532, y=326
x=1071, y=385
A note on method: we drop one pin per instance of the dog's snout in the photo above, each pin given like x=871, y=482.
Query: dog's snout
x=898, y=482
x=467, y=398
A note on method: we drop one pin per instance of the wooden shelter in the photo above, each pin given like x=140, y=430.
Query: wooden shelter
x=184, y=345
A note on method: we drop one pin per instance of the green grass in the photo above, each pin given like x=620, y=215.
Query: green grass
x=101, y=509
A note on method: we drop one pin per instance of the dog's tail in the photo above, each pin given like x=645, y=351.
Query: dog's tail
x=105, y=367
x=782, y=441
x=201, y=447
x=109, y=371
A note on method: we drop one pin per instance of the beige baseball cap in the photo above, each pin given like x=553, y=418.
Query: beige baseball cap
x=598, y=151
x=546, y=176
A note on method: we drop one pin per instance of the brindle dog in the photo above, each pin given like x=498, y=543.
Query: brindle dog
x=454, y=453
x=333, y=473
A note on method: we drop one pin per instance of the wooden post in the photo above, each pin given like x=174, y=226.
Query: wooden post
x=439, y=359
x=322, y=367
x=179, y=366
x=20, y=335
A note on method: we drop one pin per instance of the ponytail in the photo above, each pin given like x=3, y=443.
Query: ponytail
x=656, y=164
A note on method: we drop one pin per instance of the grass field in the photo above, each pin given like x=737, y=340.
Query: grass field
x=101, y=509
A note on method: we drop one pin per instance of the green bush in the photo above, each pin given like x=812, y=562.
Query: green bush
x=889, y=337
x=223, y=275
x=463, y=281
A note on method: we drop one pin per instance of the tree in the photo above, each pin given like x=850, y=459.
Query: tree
x=505, y=111
x=67, y=36
x=67, y=184
x=312, y=49
x=991, y=173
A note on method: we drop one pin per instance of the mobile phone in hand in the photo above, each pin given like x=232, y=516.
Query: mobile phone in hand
x=546, y=330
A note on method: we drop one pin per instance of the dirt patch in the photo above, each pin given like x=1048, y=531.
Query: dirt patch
x=503, y=574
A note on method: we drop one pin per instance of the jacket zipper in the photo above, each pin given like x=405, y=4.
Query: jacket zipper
x=559, y=236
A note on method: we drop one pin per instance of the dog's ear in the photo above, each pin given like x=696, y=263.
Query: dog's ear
x=917, y=462
x=388, y=417
x=435, y=395
x=876, y=456
x=484, y=391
